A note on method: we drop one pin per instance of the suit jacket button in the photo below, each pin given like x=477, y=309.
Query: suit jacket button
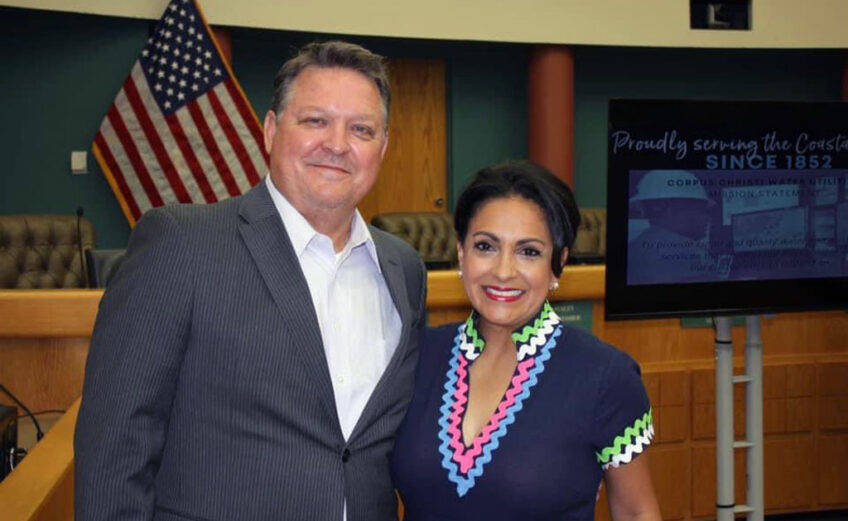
x=345, y=455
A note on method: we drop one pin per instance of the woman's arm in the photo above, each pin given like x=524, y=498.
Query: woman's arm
x=630, y=493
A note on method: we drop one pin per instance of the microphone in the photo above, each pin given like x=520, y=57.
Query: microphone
x=38, y=432
x=83, y=270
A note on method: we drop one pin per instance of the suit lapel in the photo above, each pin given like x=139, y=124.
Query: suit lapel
x=269, y=245
x=392, y=269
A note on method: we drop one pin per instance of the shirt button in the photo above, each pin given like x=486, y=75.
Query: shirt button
x=345, y=455
x=340, y=379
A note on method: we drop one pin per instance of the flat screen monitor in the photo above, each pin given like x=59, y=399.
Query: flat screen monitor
x=717, y=207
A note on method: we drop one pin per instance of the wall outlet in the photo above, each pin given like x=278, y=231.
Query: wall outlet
x=79, y=162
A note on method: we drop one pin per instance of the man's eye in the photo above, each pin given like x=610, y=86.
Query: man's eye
x=314, y=121
x=364, y=131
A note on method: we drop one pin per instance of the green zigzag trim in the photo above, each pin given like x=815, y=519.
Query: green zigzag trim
x=638, y=427
x=472, y=334
x=531, y=329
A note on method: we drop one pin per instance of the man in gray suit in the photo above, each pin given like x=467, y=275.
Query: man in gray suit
x=252, y=358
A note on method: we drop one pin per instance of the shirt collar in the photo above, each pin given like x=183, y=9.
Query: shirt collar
x=301, y=232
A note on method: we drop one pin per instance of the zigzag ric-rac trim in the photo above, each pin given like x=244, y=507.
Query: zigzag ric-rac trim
x=633, y=441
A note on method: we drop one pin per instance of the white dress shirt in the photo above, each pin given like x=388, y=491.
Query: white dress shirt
x=360, y=325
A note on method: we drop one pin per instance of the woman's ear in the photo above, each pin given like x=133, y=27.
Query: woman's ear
x=564, y=257
x=460, y=253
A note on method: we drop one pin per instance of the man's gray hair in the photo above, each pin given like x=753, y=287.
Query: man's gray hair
x=328, y=55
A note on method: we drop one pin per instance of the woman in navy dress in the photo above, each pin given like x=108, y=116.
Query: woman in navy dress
x=515, y=415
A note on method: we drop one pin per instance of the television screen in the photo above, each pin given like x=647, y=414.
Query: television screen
x=719, y=207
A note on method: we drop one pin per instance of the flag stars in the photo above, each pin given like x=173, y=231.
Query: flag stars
x=175, y=65
x=191, y=30
x=160, y=74
x=167, y=104
x=163, y=61
x=198, y=61
x=217, y=71
x=181, y=96
x=170, y=91
x=184, y=70
x=166, y=48
x=196, y=74
x=172, y=78
x=183, y=83
x=207, y=55
x=169, y=20
x=158, y=87
x=195, y=87
x=145, y=53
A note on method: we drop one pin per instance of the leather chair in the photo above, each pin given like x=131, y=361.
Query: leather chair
x=101, y=265
x=430, y=233
x=590, y=245
x=40, y=251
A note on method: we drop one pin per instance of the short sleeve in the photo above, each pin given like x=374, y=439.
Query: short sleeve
x=623, y=422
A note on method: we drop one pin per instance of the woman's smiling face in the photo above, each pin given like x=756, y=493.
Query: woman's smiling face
x=506, y=262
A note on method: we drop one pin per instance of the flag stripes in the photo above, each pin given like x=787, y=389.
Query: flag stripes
x=180, y=129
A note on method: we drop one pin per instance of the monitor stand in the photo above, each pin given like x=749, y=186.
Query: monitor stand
x=726, y=507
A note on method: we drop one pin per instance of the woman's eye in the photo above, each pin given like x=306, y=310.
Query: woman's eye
x=483, y=246
x=530, y=252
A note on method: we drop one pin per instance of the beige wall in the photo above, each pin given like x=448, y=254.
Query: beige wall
x=661, y=23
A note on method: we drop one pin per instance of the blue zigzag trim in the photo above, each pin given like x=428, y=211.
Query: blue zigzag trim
x=444, y=419
x=465, y=483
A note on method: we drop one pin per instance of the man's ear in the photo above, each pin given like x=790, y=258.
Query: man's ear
x=385, y=145
x=270, y=129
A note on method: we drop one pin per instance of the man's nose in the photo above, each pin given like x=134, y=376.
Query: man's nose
x=337, y=139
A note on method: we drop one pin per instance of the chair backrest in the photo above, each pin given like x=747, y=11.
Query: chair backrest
x=430, y=233
x=591, y=241
x=101, y=265
x=40, y=251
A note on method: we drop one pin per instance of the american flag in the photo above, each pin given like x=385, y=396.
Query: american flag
x=181, y=129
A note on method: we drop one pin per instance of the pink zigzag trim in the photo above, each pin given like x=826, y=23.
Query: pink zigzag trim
x=460, y=397
x=465, y=457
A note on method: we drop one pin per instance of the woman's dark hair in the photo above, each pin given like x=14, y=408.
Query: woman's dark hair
x=519, y=178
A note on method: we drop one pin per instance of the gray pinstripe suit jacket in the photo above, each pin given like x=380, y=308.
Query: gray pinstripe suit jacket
x=207, y=394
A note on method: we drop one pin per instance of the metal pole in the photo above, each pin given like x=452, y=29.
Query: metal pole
x=725, y=501
x=754, y=416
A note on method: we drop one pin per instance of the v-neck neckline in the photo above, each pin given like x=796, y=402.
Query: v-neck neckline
x=465, y=462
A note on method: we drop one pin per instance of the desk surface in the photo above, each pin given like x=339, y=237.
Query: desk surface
x=71, y=312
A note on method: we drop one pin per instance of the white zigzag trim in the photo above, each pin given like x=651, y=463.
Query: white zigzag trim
x=540, y=338
x=638, y=445
x=465, y=346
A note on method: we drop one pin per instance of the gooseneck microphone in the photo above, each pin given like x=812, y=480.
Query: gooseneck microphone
x=83, y=270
